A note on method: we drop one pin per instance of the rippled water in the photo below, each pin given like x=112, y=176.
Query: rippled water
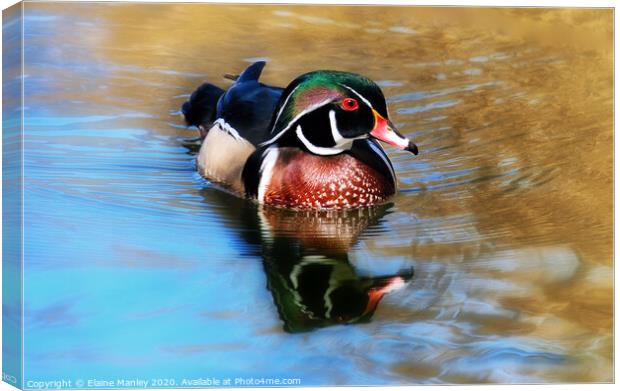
x=137, y=267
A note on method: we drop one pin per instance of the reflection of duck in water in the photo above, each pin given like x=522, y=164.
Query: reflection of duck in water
x=306, y=262
x=309, y=146
x=316, y=291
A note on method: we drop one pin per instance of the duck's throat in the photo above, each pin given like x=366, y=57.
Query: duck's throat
x=340, y=146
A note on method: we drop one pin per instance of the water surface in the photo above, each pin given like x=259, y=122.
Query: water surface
x=138, y=267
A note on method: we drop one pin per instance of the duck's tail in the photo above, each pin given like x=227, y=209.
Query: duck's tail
x=200, y=109
x=252, y=73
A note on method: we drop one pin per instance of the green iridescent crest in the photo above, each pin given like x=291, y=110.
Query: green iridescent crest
x=315, y=89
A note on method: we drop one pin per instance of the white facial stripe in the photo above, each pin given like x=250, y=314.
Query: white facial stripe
x=306, y=111
x=340, y=140
x=358, y=95
x=334, y=127
x=270, y=156
x=313, y=148
x=284, y=105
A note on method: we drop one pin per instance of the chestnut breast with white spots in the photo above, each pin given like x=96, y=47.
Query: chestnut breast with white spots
x=302, y=180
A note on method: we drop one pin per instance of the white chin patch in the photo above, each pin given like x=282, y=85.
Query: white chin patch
x=341, y=143
x=318, y=150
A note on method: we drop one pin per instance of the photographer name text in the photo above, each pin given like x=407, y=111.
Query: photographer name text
x=160, y=383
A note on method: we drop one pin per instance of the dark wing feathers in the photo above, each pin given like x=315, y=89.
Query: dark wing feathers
x=248, y=105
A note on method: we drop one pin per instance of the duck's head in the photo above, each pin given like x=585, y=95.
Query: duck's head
x=325, y=111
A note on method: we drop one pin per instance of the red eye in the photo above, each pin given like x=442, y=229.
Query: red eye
x=349, y=104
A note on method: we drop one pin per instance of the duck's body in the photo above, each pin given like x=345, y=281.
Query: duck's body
x=296, y=179
x=283, y=147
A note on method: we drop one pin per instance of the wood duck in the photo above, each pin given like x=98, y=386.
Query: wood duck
x=309, y=146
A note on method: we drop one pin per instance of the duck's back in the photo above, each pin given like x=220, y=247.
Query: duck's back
x=242, y=120
x=247, y=107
